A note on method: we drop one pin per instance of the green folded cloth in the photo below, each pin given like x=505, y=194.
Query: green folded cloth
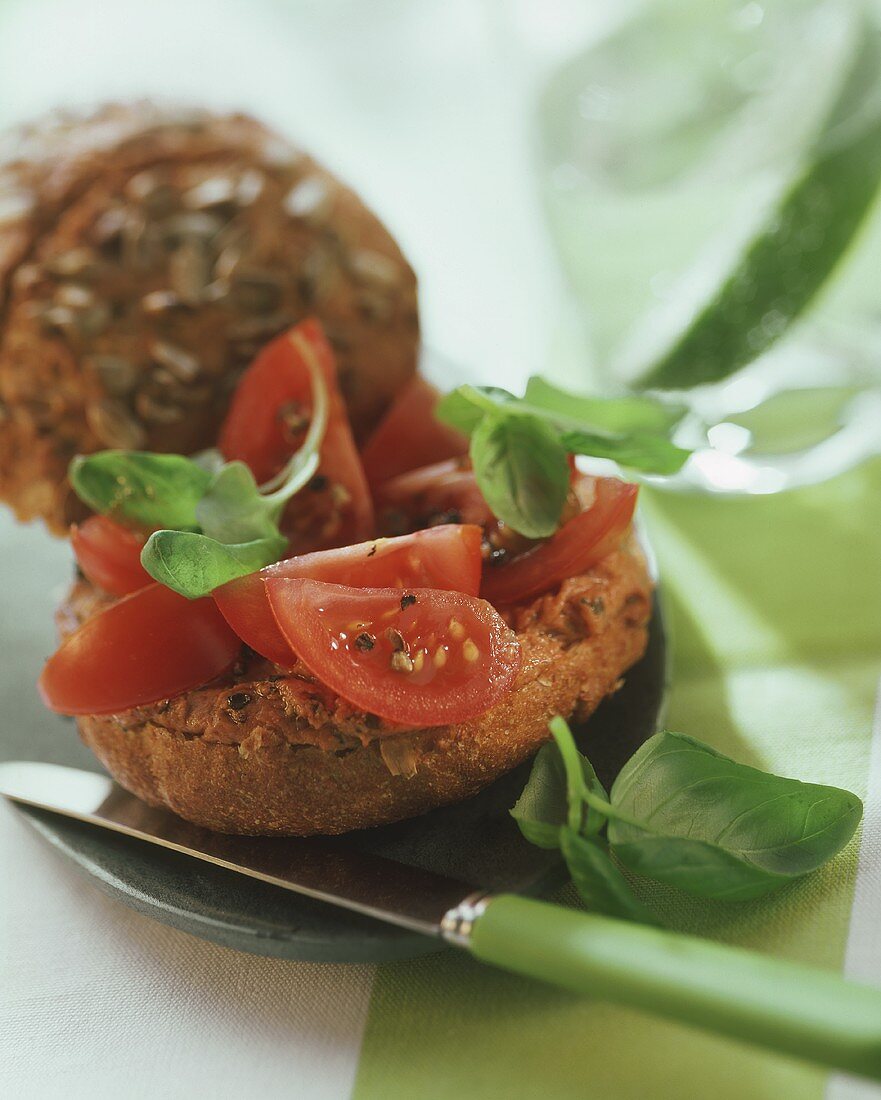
x=774, y=607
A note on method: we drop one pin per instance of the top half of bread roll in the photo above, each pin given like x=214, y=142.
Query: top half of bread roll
x=145, y=256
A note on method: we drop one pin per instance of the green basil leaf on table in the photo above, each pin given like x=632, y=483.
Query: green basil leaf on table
x=522, y=471
x=598, y=881
x=682, y=813
x=806, y=235
x=150, y=490
x=194, y=565
x=685, y=814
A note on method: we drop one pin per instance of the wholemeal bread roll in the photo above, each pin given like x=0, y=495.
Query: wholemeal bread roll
x=145, y=256
x=269, y=752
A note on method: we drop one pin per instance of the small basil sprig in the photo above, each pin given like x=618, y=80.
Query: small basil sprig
x=681, y=813
x=238, y=520
x=215, y=522
x=519, y=446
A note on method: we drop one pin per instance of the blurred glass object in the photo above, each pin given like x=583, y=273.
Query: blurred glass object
x=664, y=150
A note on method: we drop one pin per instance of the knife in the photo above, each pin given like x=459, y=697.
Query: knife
x=782, y=1006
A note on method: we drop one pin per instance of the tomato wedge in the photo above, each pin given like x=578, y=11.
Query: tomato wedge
x=409, y=436
x=445, y=491
x=151, y=645
x=445, y=557
x=109, y=555
x=267, y=422
x=426, y=658
x=578, y=545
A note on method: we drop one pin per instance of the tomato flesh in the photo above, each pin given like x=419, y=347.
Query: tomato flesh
x=109, y=555
x=409, y=436
x=578, y=545
x=425, y=658
x=443, y=492
x=446, y=557
x=150, y=645
x=267, y=422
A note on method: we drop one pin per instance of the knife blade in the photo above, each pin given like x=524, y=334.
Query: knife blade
x=406, y=896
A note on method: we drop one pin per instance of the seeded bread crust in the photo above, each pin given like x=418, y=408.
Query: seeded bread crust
x=145, y=256
x=263, y=753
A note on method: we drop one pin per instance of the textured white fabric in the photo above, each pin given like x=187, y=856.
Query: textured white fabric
x=98, y=1001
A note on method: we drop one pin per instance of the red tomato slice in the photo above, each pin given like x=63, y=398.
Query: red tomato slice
x=445, y=557
x=426, y=658
x=409, y=436
x=151, y=645
x=109, y=555
x=267, y=422
x=578, y=545
x=443, y=492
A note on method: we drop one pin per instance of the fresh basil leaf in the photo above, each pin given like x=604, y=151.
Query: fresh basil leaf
x=543, y=807
x=684, y=814
x=608, y=414
x=598, y=881
x=232, y=509
x=194, y=565
x=150, y=490
x=651, y=453
x=466, y=406
x=522, y=471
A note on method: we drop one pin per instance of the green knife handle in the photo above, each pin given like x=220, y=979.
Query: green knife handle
x=786, y=1007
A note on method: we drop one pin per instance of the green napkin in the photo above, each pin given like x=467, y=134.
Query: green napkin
x=774, y=605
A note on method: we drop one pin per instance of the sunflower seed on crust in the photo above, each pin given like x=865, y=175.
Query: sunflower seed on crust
x=374, y=269
x=75, y=262
x=177, y=361
x=249, y=186
x=75, y=296
x=160, y=301
x=114, y=425
x=214, y=191
x=196, y=223
x=310, y=200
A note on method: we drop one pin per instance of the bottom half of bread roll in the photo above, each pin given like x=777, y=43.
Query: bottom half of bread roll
x=264, y=751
